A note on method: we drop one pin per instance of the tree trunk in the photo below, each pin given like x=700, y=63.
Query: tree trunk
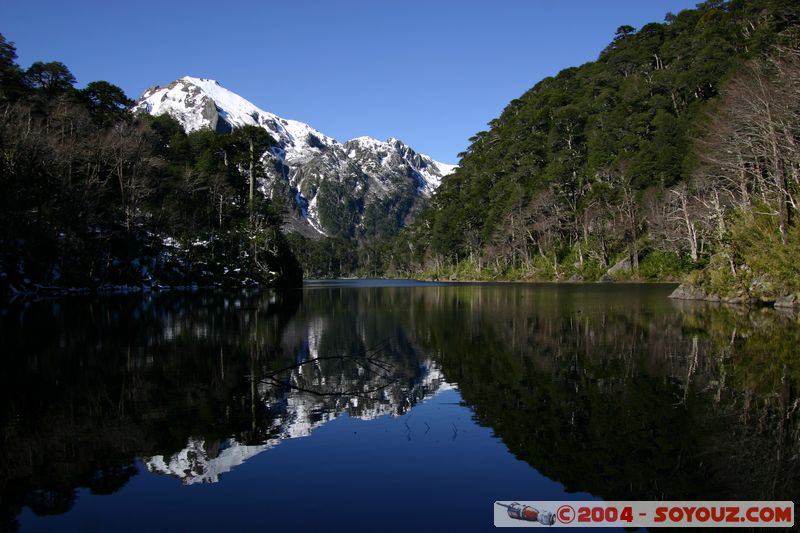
x=691, y=231
x=252, y=178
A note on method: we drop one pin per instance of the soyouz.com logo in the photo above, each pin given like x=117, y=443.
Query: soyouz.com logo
x=644, y=514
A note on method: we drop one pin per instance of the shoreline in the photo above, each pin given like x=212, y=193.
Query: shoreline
x=51, y=292
x=688, y=292
x=683, y=291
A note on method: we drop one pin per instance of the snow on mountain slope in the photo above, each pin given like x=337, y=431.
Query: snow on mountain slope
x=305, y=159
x=199, y=103
x=430, y=172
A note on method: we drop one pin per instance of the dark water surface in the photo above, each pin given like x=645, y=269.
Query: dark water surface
x=383, y=406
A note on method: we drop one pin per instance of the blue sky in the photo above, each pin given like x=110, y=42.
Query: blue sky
x=431, y=73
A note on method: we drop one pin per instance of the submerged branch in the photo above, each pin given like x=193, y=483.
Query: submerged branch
x=350, y=393
x=367, y=360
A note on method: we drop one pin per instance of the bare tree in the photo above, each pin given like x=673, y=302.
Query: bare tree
x=751, y=150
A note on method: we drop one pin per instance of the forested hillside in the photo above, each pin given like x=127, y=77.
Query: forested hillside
x=674, y=156
x=92, y=196
x=662, y=157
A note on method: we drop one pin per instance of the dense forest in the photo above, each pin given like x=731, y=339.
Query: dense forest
x=674, y=155
x=92, y=196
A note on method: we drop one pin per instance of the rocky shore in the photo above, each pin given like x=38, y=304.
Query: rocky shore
x=686, y=291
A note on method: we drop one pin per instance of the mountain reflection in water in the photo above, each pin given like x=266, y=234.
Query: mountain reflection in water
x=611, y=391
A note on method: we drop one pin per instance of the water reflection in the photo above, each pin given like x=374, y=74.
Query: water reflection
x=611, y=390
x=622, y=393
x=194, y=384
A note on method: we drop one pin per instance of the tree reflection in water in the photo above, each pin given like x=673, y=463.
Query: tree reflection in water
x=610, y=390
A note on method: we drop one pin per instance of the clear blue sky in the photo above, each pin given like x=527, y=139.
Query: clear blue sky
x=431, y=73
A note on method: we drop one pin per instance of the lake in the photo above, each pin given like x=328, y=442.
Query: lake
x=386, y=406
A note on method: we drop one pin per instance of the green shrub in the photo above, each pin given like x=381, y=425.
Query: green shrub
x=661, y=265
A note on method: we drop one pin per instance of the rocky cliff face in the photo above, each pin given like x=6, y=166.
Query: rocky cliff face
x=360, y=188
x=366, y=187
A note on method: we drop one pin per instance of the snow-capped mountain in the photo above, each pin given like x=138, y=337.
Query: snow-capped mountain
x=296, y=414
x=361, y=187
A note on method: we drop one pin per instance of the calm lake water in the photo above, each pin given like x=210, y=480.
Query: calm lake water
x=386, y=406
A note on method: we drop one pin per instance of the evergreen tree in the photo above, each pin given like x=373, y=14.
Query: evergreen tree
x=52, y=77
x=107, y=102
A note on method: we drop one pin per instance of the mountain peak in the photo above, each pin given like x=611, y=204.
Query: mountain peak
x=195, y=80
x=304, y=158
x=200, y=103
